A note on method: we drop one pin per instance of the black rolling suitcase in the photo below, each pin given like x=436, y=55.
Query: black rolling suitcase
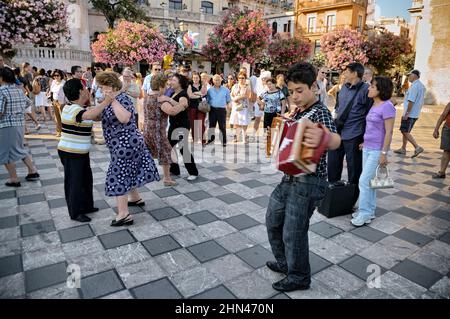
x=338, y=199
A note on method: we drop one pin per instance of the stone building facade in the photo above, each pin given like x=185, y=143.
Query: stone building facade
x=314, y=18
x=432, y=44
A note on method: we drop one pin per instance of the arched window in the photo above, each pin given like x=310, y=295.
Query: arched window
x=208, y=7
x=274, y=28
x=176, y=4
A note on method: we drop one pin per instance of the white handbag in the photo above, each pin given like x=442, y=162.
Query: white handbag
x=380, y=182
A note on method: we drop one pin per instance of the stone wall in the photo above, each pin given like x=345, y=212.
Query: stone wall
x=433, y=47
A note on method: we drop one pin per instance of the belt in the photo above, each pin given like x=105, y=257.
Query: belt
x=299, y=178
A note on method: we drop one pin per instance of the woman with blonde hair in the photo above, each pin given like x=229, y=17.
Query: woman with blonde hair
x=240, y=117
x=132, y=165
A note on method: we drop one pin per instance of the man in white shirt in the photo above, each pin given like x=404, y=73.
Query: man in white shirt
x=156, y=68
x=322, y=86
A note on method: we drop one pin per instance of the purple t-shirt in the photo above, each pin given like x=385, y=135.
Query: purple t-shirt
x=375, y=130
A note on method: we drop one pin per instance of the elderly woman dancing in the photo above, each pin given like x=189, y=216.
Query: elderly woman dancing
x=132, y=165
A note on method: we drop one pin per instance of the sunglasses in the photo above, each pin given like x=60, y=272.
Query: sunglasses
x=241, y=78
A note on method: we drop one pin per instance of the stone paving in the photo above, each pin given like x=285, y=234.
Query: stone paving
x=207, y=239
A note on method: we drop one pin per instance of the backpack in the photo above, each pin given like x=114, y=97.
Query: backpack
x=36, y=87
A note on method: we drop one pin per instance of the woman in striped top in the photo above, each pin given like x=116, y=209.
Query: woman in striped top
x=73, y=149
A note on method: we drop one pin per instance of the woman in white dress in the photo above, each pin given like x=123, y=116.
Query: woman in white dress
x=240, y=116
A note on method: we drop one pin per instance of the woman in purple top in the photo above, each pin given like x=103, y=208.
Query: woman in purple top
x=377, y=141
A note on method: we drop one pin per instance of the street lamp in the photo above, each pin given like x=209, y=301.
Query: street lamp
x=114, y=3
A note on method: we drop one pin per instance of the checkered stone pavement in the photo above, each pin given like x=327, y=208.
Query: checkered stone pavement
x=207, y=239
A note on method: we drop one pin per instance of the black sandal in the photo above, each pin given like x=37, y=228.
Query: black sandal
x=13, y=184
x=122, y=222
x=438, y=175
x=139, y=203
x=32, y=177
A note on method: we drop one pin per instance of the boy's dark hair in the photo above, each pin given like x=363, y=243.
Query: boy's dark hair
x=74, y=69
x=184, y=81
x=356, y=67
x=72, y=89
x=7, y=75
x=302, y=72
x=384, y=86
x=34, y=69
x=41, y=72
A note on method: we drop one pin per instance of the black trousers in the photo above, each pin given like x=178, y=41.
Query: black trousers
x=177, y=135
x=353, y=156
x=218, y=115
x=77, y=183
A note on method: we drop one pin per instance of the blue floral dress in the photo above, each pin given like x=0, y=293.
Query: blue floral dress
x=132, y=165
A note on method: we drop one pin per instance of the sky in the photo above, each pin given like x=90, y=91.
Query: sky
x=393, y=8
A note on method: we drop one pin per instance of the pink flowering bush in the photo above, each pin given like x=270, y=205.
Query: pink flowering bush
x=385, y=49
x=342, y=47
x=242, y=36
x=284, y=52
x=42, y=23
x=130, y=43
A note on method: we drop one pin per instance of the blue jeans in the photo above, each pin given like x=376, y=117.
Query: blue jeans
x=291, y=205
x=367, y=195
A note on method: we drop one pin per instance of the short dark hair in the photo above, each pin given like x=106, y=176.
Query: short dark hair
x=384, y=86
x=34, y=69
x=356, y=67
x=99, y=65
x=271, y=80
x=74, y=69
x=72, y=89
x=302, y=72
x=184, y=81
x=41, y=72
x=7, y=75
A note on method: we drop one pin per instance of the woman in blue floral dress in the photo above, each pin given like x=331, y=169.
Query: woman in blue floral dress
x=132, y=165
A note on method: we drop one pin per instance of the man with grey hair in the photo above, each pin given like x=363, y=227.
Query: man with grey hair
x=219, y=98
x=368, y=75
x=322, y=92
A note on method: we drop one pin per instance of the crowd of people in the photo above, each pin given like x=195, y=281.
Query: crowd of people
x=144, y=119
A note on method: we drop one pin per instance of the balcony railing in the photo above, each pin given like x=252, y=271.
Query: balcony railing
x=324, y=29
x=52, y=54
x=316, y=4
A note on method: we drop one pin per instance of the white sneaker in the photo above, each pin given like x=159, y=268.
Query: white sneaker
x=360, y=221
x=355, y=215
x=192, y=178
